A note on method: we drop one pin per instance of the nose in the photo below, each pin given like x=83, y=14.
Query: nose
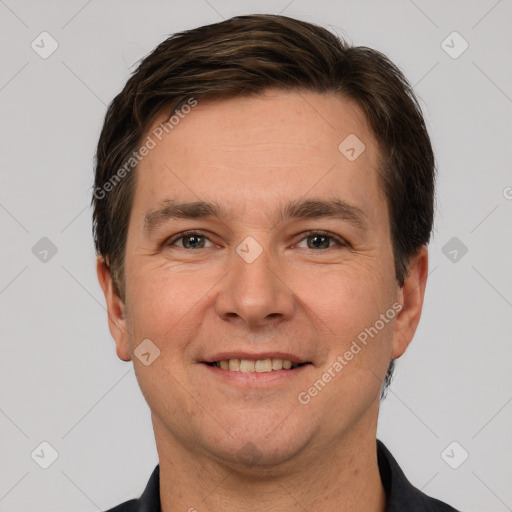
x=254, y=293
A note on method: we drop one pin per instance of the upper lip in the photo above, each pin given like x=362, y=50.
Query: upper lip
x=222, y=356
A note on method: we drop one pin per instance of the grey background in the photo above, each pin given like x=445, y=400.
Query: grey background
x=61, y=381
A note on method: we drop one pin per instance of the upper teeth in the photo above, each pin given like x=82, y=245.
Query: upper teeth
x=260, y=365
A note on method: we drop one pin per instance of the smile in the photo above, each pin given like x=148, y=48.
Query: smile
x=255, y=366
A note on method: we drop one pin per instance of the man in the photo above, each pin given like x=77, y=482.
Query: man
x=262, y=205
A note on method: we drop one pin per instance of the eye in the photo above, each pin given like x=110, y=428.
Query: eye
x=190, y=240
x=317, y=240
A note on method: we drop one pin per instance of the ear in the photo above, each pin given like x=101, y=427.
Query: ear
x=411, y=298
x=115, y=310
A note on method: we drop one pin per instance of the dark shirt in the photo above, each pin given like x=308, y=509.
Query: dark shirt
x=401, y=495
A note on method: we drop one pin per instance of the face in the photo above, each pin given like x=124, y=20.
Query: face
x=284, y=256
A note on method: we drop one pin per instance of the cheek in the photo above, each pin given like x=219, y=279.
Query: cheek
x=163, y=310
x=158, y=302
x=346, y=305
x=347, y=298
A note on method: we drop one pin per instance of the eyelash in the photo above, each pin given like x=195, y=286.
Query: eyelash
x=339, y=241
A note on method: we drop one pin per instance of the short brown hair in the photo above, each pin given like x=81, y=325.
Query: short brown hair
x=245, y=55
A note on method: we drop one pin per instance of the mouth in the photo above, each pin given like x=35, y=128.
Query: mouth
x=264, y=365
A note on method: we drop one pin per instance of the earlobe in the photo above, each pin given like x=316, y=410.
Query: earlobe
x=411, y=298
x=115, y=310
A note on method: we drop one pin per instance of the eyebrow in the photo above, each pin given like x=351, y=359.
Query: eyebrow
x=317, y=208
x=298, y=209
x=174, y=210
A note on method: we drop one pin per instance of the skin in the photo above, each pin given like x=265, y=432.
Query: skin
x=233, y=445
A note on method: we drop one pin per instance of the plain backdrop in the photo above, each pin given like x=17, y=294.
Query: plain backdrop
x=61, y=381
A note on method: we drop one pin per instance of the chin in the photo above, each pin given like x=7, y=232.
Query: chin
x=253, y=458
x=261, y=445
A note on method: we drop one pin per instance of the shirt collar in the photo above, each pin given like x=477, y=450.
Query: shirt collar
x=401, y=495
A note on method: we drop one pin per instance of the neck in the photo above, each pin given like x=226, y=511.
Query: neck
x=345, y=478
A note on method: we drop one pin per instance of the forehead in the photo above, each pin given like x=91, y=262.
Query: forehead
x=254, y=150
x=316, y=120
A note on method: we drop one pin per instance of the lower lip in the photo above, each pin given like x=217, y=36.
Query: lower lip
x=252, y=379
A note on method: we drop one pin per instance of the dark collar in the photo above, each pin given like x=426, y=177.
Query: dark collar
x=401, y=495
